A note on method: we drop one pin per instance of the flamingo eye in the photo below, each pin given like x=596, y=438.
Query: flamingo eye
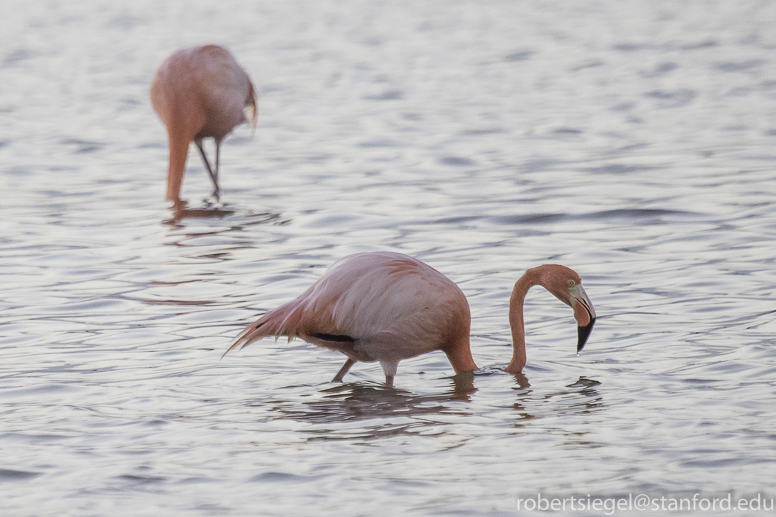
x=572, y=283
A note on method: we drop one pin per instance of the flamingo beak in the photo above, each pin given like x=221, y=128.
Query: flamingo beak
x=584, y=313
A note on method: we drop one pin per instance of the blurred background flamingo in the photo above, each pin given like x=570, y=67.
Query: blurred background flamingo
x=200, y=92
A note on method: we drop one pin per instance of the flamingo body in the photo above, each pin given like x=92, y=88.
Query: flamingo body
x=386, y=307
x=378, y=306
x=199, y=92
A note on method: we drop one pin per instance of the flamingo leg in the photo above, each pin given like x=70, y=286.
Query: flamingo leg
x=345, y=367
x=389, y=368
x=213, y=175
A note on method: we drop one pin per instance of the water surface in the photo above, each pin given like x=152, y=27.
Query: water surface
x=631, y=141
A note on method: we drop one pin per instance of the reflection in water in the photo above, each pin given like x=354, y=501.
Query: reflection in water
x=641, y=158
x=522, y=380
x=224, y=221
x=180, y=211
x=366, y=401
x=463, y=386
x=183, y=213
x=581, y=397
x=395, y=411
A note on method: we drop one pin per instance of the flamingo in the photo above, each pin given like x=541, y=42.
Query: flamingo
x=199, y=92
x=384, y=306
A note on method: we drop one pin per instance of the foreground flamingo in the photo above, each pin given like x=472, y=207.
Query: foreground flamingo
x=387, y=307
x=199, y=92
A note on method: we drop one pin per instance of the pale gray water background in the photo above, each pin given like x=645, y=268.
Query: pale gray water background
x=632, y=141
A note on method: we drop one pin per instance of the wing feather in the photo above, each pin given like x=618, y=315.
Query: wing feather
x=369, y=306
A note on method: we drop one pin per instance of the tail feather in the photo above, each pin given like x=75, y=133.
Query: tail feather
x=283, y=321
x=250, y=102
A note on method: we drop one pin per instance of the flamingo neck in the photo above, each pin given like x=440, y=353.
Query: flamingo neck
x=528, y=280
x=179, y=148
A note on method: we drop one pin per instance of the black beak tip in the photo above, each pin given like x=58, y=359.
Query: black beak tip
x=583, y=333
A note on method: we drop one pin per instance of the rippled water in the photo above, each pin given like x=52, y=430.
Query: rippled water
x=632, y=141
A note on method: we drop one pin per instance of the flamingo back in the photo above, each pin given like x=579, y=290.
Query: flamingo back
x=372, y=306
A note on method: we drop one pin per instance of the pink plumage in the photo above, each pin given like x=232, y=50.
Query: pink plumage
x=378, y=306
x=199, y=92
x=387, y=307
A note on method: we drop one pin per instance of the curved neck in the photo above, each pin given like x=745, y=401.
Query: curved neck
x=528, y=280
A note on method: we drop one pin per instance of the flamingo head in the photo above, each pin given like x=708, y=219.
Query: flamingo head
x=566, y=285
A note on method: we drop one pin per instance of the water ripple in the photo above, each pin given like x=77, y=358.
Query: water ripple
x=630, y=141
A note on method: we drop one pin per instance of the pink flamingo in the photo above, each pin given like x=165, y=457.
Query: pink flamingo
x=199, y=92
x=387, y=307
